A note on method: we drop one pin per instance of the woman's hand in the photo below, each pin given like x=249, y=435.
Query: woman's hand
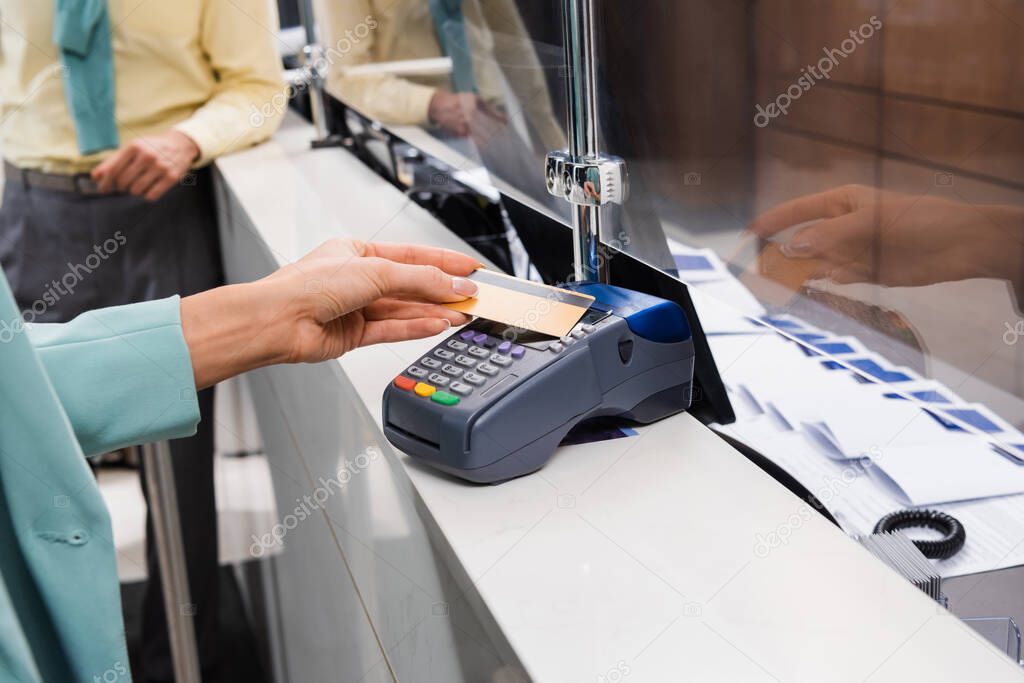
x=341, y=296
x=864, y=234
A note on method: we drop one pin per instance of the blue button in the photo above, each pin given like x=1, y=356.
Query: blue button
x=480, y=338
x=518, y=352
x=466, y=335
x=504, y=347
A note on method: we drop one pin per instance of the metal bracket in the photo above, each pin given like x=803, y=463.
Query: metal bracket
x=314, y=74
x=589, y=181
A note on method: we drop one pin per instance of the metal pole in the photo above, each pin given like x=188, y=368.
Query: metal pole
x=170, y=551
x=315, y=64
x=581, y=95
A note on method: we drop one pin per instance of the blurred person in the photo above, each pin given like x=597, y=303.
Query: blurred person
x=125, y=375
x=488, y=45
x=861, y=234
x=111, y=112
x=494, y=107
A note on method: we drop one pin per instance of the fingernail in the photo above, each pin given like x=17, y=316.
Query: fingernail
x=463, y=286
x=447, y=324
x=796, y=248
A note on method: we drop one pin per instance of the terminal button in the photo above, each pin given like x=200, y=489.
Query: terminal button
x=578, y=334
x=567, y=340
x=417, y=371
x=504, y=347
x=441, y=353
x=478, y=352
x=431, y=363
x=518, y=352
x=450, y=369
x=479, y=338
x=490, y=341
x=444, y=398
x=460, y=388
x=588, y=328
x=457, y=345
x=487, y=369
x=405, y=383
x=466, y=335
x=498, y=359
x=465, y=360
x=439, y=380
x=424, y=389
x=555, y=346
x=474, y=378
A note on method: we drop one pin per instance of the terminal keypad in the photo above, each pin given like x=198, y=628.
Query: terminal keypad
x=474, y=360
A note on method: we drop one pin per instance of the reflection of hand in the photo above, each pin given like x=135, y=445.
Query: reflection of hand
x=466, y=114
x=590, y=190
x=149, y=166
x=341, y=296
x=863, y=234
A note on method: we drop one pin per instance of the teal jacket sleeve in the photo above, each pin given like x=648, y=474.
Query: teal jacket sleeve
x=123, y=374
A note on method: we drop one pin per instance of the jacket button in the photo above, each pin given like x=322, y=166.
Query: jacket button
x=74, y=537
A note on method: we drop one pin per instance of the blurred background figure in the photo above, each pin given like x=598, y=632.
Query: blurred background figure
x=495, y=81
x=110, y=114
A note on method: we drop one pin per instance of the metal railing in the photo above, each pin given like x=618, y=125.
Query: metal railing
x=163, y=506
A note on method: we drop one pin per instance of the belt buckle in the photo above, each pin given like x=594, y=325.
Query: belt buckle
x=84, y=185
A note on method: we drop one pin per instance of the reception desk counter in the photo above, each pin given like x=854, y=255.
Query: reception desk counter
x=664, y=556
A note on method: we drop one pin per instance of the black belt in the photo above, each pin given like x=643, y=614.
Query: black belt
x=79, y=183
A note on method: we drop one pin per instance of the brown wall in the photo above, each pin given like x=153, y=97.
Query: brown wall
x=940, y=88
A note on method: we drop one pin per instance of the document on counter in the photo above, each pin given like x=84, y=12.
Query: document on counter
x=925, y=391
x=697, y=264
x=718, y=318
x=869, y=445
x=963, y=467
x=703, y=270
x=743, y=358
x=859, y=428
x=858, y=500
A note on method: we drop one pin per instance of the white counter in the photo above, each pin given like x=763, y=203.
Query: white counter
x=639, y=558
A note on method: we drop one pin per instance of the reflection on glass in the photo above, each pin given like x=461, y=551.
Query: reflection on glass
x=489, y=98
x=856, y=164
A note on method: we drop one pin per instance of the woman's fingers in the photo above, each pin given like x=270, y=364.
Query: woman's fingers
x=850, y=273
x=417, y=282
x=836, y=239
x=447, y=260
x=386, y=309
x=827, y=204
x=347, y=250
x=383, y=331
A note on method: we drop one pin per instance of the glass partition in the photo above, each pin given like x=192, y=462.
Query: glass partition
x=855, y=165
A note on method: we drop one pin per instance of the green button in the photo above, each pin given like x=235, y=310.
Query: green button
x=444, y=398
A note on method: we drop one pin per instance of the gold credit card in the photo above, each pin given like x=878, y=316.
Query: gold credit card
x=524, y=304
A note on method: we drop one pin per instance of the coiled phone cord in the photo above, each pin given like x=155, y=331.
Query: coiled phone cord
x=940, y=549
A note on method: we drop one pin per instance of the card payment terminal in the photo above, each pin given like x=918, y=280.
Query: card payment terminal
x=491, y=402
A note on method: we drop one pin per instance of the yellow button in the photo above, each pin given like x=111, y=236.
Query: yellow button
x=424, y=389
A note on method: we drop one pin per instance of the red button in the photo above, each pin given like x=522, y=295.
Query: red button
x=406, y=383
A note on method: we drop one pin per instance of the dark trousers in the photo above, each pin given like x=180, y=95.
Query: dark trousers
x=65, y=254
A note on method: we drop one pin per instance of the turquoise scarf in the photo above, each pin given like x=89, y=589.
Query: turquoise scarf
x=450, y=26
x=81, y=30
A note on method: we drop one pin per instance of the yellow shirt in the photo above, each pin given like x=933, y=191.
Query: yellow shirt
x=209, y=68
x=356, y=32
